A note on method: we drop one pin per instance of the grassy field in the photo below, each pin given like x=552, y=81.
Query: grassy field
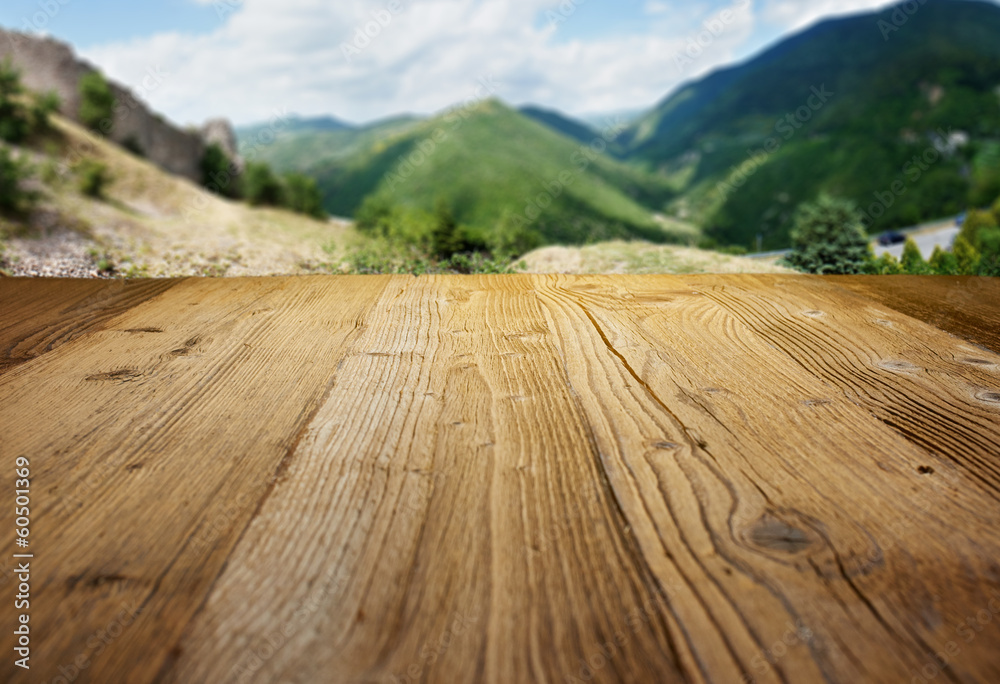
x=640, y=257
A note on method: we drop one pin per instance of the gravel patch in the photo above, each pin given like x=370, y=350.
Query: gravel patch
x=60, y=254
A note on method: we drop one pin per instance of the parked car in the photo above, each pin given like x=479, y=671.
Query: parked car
x=891, y=237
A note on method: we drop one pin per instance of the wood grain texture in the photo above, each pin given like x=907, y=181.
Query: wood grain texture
x=966, y=306
x=36, y=316
x=507, y=479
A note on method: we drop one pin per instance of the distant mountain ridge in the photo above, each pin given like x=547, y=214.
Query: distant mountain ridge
x=491, y=164
x=927, y=83
x=897, y=109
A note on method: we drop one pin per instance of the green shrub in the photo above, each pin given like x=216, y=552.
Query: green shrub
x=14, y=199
x=217, y=173
x=449, y=238
x=989, y=250
x=384, y=256
x=943, y=263
x=976, y=221
x=261, y=187
x=375, y=216
x=44, y=106
x=967, y=257
x=828, y=238
x=913, y=261
x=302, y=195
x=886, y=264
x=93, y=178
x=133, y=145
x=445, y=236
x=97, y=103
x=475, y=263
x=15, y=119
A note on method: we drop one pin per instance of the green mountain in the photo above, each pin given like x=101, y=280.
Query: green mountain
x=561, y=123
x=492, y=166
x=307, y=142
x=898, y=110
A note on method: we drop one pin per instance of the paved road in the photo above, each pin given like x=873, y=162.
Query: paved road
x=926, y=241
x=927, y=238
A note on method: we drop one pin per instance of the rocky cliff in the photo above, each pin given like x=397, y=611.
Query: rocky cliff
x=49, y=65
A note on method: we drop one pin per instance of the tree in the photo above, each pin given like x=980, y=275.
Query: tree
x=886, y=264
x=303, y=196
x=97, y=103
x=218, y=174
x=942, y=262
x=449, y=238
x=375, y=216
x=13, y=197
x=828, y=238
x=513, y=237
x=261, y=187
x=445, y=232
x=15, y=124
x=45, y=105
x=989, y=252
x=976, y=221
x=966, y=256
x=93, y=177
x=913, y=261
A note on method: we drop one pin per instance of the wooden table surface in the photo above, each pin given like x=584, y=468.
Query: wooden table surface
x=504, y=479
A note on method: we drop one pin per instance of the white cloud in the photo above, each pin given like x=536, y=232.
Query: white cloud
x=288, y=55
x=654, y=7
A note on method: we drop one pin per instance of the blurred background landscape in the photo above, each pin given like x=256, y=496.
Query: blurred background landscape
x=228, y=137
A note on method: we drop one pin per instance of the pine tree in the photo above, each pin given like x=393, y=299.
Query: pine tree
x=913, y=261
x=828, y=238
x=966, y=256
x=943, y=263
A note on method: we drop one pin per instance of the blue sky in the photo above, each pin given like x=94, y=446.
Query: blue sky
x=247, y=59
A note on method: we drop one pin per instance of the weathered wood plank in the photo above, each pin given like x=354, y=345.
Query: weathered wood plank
x=965, y=306
x=151, y=452
x=507, y=479
x=447, y=514
x=768, y=498
x=36, y=316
